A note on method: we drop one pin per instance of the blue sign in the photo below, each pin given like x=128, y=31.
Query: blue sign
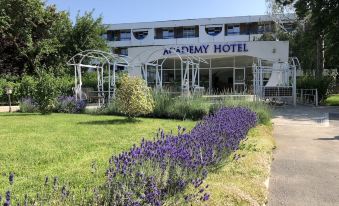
x=204, y=49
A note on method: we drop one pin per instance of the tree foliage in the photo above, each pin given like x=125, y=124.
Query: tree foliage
x=35, y=35
x=318, y=36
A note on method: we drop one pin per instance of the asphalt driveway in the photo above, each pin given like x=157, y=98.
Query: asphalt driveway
x=305, y=170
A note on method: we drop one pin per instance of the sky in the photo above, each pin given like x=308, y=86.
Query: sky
x=127, y=11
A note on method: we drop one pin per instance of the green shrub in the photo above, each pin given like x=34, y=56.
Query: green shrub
x=12, y=82
x=162, y=103
x=133, y=97
x=46, y=92
x=65, y=85
x=188, y=108
x=90, y=79
x=262, y=110
x=27, y=86
x=28, y=105
x=325, y=85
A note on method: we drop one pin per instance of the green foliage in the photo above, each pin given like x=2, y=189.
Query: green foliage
x=46, y=92
x=320, y=19
x=27, y=86
x=8, y=82
x=134, y=97
x=195, y=107
x=332, y=100
x=90, y=79
x=324, y=85
x=27, y=105
x=166, y=106
x=188, y=108
x=35, y=35
x=162, y=102
x=86, y=34
x=262, y=110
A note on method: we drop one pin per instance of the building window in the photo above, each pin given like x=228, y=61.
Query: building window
x=168, y=33
x=213, y=31
x=189, y=32
x=140, y=34
x=124, y=51
x=233, y=29
x=264, y=27
x=125, y=35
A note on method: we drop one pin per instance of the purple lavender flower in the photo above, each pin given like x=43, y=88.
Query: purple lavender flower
x=177, y=160
x=11, y=178
x=205, y=197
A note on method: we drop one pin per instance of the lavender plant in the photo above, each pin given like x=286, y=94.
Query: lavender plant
x=69, y=104
x=159, y=169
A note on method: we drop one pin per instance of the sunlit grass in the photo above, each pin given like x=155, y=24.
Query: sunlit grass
x=66, y=145
x=332, y=100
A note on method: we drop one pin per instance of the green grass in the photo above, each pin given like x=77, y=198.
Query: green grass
x=332, y=100
x=66, y=145
x=241, y=182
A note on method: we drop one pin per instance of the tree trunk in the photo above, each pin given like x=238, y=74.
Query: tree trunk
x=320, y=56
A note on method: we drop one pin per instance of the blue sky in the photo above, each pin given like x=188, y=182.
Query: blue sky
x=123, y=11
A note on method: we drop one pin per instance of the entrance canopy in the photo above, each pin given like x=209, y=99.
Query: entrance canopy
x=105, y=64
x=189, y=69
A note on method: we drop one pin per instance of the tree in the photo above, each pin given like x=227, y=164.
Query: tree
x=29, y=35
x=35, y=36
x=86, y=34
x=321, y=29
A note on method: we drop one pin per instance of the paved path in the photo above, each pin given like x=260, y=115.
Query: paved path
x=305, y=170
x=6, y=108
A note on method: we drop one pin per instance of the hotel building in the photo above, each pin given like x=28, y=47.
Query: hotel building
x=208, y=54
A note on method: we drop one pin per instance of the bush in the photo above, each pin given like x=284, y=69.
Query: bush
x=69, y=104
x=46, y=92
x=166, y=106
x=27, y=87
x=188, y=108
x=324, y=84
x=133, y=97
x=28, y=105
x=11, y=82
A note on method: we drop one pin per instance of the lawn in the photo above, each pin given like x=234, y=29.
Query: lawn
x=333, y=100
x=75, y=148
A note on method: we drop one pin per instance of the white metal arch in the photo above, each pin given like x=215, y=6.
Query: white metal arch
x=188, y=62
x=105, y=64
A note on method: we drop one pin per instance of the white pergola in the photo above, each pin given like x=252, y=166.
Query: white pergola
x=190, y=64
x=105, y=64
x=277, y=81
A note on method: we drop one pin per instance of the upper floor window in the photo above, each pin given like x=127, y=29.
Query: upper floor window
x=264, y=27
x=168, y=33
x=189, y=32
x=213, y=30
x=233, y=29
x=125, y=35
x=140, y=34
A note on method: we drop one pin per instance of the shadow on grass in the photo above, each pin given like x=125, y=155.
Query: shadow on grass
x=333, y=138
x=111, y=121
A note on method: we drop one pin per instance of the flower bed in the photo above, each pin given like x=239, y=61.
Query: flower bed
x=160, y=170
x=157, y=170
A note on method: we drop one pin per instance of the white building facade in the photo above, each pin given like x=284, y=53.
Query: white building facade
x=212, y=54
